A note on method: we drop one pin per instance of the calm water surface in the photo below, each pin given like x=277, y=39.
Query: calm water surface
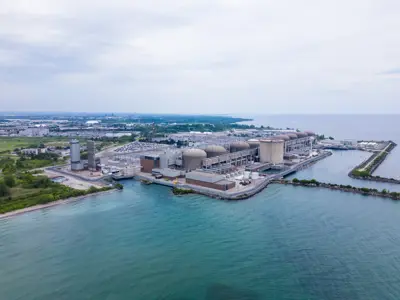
x=145, y=243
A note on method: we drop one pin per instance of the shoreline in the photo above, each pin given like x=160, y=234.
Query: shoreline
x=50, y=204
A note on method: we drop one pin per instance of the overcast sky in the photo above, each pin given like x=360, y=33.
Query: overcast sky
x=200, y=56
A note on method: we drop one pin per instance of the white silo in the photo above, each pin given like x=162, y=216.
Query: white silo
x=271, y=151
x=75, y=154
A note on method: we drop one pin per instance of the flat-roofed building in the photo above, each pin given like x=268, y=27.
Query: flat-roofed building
x=209, y=180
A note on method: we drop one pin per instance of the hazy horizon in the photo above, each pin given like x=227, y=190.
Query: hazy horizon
x=201, y=57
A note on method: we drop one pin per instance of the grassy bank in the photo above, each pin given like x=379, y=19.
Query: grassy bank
x=10, y=143
x=25, y=190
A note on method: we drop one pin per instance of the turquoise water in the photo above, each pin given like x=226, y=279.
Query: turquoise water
x=145, y=243
x=335, y=169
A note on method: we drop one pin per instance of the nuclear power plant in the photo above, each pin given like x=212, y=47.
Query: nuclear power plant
x=222, y=160
x=232, y=166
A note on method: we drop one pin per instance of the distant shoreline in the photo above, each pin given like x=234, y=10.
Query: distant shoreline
x=51, y=204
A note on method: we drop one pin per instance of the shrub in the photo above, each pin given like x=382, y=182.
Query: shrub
x=9, y=180
x=4, y=190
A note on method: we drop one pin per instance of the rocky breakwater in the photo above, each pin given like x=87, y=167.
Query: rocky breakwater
x=339, y=187
x=364, y=171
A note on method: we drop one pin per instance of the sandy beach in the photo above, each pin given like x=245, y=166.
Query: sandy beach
x=58, y=202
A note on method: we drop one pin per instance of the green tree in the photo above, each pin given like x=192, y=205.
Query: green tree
x=9, y=180
x=295, y=180
x=4, y=190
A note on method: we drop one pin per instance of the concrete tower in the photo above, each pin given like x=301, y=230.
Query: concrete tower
x=91, y=150
x=75, y=154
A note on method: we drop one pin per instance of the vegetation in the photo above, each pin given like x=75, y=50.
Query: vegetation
x=347, y=188
x=32, y=190
x=4, y=190
x=360, y=173
x=9, y=180
x=366, y=168
x=119, y=186
x=8, y=144
x=179, y=191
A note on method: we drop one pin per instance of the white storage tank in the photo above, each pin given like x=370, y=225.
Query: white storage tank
x=271, y=151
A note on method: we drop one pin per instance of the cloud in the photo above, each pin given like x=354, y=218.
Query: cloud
x=199, y=56
x=391, y=72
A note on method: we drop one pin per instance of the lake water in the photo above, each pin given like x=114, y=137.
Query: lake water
x=145, y=243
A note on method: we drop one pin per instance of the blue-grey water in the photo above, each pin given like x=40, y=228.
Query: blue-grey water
x=145, y=243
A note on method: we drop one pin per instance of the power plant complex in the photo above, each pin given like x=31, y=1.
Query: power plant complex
x=207, y=166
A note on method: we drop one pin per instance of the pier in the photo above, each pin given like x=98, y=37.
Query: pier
x=339, y=187
x=364, y=171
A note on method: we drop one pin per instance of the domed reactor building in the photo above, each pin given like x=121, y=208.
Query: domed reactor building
x=215, y=150
x=297, y=142
x=192, y=159
x=239, y=146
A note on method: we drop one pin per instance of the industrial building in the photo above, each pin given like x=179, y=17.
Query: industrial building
x=296, y=142
x=272, y=151
x=167, y=173
x=230, y=161
x=76, y=164
x=91, y=151
x=301, y=144
x=209, y=180
x=149, y=162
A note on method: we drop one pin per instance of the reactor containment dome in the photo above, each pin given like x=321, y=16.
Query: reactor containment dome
x=302, y=134
x=292, y=136
x=239, y=146
x=254, y=143
x=282, y=137
x=309, y=133
x=192, y=159
x=215, y=150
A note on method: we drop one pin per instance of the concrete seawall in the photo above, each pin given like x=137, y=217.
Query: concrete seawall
x=342, y=188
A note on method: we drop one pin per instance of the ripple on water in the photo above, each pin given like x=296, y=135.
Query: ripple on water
x=284, y=243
